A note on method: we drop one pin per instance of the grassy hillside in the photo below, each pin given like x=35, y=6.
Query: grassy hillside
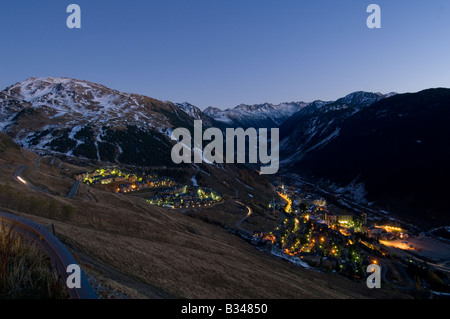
x=6, y=143
x=173, y=253
x=25, y=271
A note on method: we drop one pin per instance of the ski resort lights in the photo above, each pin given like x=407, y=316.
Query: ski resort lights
x=288, y=208
x=390, y=228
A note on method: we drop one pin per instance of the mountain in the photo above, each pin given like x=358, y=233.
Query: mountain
x=84, y=119
x=191, y=110
x=259, y=115
x=396, y=151
x=6, y=143
x=131, y=249
x=319, y=122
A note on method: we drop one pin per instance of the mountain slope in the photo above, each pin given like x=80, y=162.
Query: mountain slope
x=259, y=115
x=6, y=143
x=319, y=123
x=83, y=119
x=130, y=247
x=398, y=149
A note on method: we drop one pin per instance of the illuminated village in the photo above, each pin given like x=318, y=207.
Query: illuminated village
x=169, y=193
x=186, y=197
x=314, y=233
x=113, y=179
x=311, y=231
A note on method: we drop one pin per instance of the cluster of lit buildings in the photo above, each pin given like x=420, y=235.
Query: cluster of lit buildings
x=186, y=197
x=323, y=235
x=387, y=232
x=117, y=181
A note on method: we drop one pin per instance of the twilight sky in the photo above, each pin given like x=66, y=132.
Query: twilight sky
x=226, y=52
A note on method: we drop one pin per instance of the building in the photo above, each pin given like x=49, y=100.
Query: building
x=334, y=218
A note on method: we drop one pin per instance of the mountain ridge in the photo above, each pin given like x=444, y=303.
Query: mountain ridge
x=330, y=140
x=84, y=119
x=393, y=150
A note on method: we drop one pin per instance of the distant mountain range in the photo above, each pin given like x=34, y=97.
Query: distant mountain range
x=383, y=148
x=83, y=119
x=393, y=150
x=258, y=115
x=320, y=122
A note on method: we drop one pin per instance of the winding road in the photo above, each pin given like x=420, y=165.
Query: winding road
x=17, y=176
x=58, y=253
x=239, y=223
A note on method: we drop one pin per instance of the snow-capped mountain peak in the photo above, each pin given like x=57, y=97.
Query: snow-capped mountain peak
x=80, y=118
x=191, y=110
x=361, y=98
x=256, y=115
x=65, y=99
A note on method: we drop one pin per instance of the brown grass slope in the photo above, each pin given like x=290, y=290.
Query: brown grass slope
x=177, y=254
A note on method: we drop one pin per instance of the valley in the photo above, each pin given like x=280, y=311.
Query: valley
x=103, y=243
x=96, y=164
x=127, y=244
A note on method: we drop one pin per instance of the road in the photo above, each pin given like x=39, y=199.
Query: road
x=19, y=171
x=423, y=249
x=287, y=209
x=239, y=223
x=18, y=177
x=73, y=190
x=58, y=253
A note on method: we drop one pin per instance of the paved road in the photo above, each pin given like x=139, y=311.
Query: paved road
x=74, y=189
x=58, y=253
x=20, y=171
x=18, y=177
x=239, y=223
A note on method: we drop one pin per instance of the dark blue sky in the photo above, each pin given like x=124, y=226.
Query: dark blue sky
x=226, y=52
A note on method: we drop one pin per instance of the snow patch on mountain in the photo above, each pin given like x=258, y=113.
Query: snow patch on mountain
x=64, y=99
x=191, y=110
x=354, y=190
x=256, y=113
x=326, y=140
